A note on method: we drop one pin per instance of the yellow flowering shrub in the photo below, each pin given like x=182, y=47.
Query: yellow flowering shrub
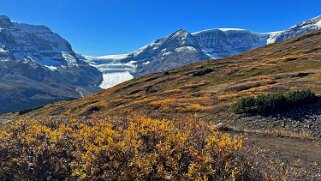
x=131, y=149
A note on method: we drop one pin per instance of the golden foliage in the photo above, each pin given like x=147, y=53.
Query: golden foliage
x=144, y=149
x=132, y=149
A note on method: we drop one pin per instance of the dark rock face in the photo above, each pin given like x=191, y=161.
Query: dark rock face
x=5, y=22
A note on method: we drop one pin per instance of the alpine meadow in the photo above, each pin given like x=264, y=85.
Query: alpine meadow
x=148, y=90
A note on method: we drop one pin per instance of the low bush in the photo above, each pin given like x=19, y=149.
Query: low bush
x=22, y=112
x=274, y=102
x=203, y=72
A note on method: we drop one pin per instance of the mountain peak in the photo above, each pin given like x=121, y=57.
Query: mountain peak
x=180, y=33
x=317, y=21
x=5, y=21
x=4, y=17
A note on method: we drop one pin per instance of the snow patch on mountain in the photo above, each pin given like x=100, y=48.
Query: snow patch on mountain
x=146, y=63
x=231, y=29
x=2, y=50
x=318, y=24
x=186, y=48
x=218, y=29
x=113, y=57
x=52, y=68
x=112, y=79
x=273, y=37
x=71, y=60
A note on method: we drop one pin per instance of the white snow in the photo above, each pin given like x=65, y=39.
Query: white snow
x=112, y=79
x=166, y=53
x=142, y=49
x=146, y=63
x=273, y=36
x=71, y=60
x=132, y=64
x=318, y=24
x=185, y=49
x=231, y=29
x=113, y=57
x=114, y=71
x=80, y=93
x=2, y=50
x=218, y=29
x=52, y=68
x=208, y=52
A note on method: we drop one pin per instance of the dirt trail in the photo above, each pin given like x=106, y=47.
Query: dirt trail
x=287, y=149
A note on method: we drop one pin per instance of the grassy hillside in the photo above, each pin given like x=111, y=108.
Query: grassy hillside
x=208, y=88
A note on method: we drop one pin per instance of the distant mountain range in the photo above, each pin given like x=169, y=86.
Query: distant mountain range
x=38, y=66
x=183, y=47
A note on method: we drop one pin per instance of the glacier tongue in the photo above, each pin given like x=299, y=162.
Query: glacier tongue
x=112, y=79
x=114, y=71
x=273, y=37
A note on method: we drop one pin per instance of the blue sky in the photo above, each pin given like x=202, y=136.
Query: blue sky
x=99, y=27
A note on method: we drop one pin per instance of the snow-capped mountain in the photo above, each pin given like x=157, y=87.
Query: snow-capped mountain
x=296, y=30
x=37, y=66
x=224, y=42
x=183, y=47
x=39, y=44
x=180, y=48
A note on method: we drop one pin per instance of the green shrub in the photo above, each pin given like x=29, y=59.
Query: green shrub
x=274, y=102
x=22, y=112
x=203, y=72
